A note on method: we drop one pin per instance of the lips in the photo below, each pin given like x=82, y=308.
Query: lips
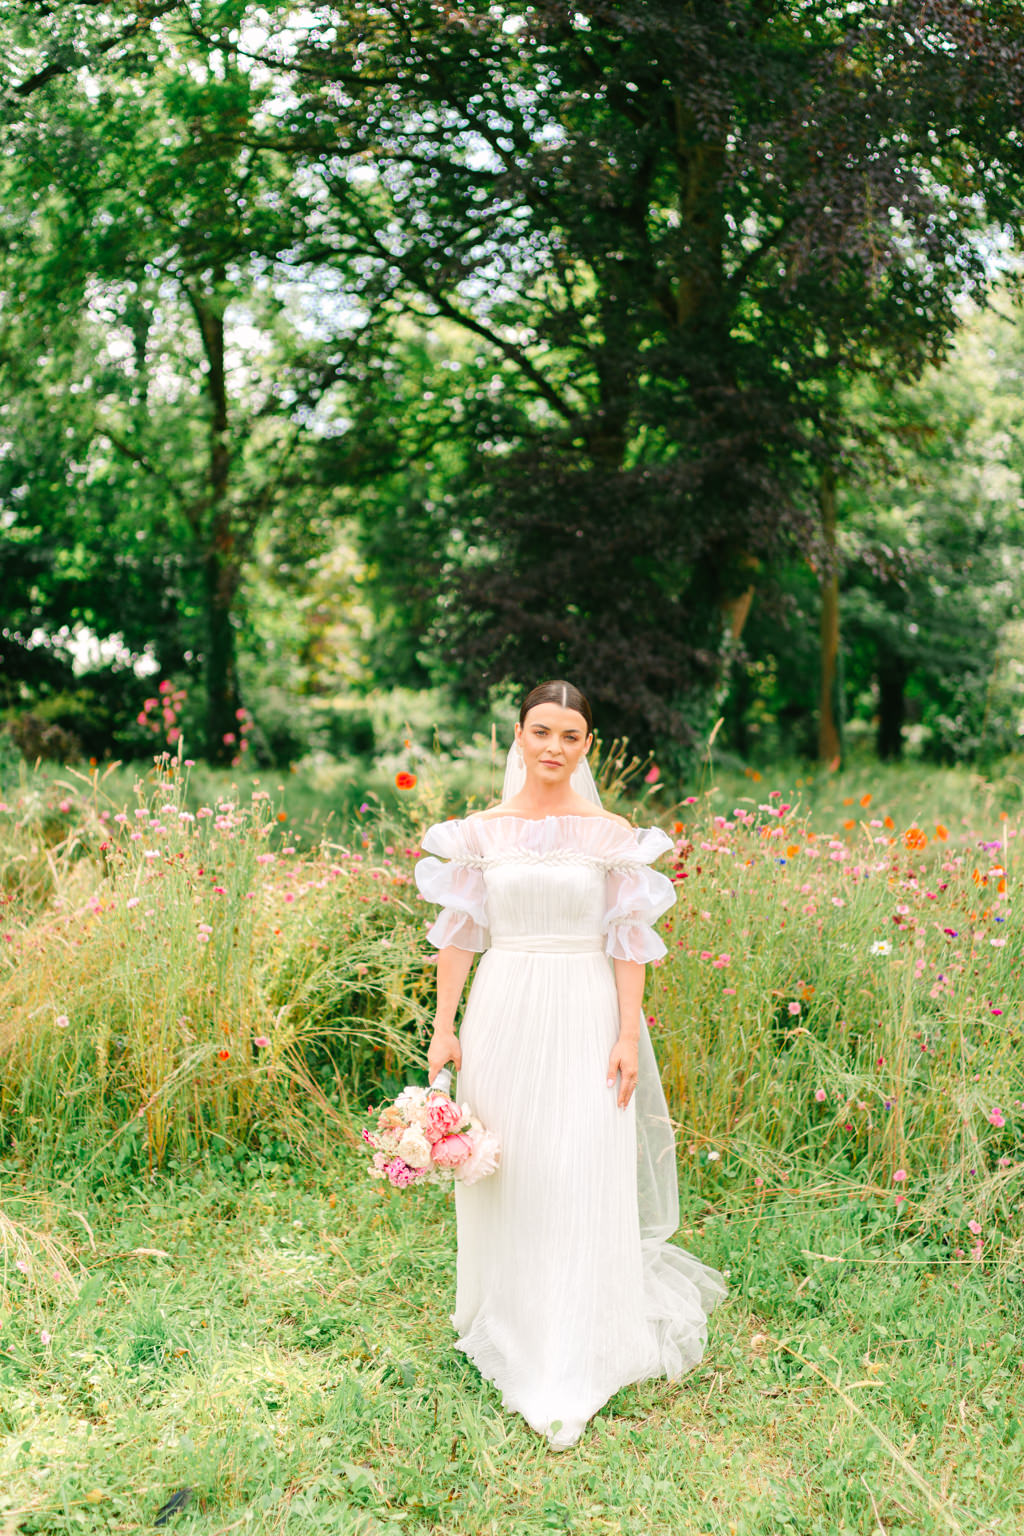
x=547, y=763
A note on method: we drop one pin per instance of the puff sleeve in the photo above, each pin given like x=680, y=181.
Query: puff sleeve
x=457, y=887
x=635, y=897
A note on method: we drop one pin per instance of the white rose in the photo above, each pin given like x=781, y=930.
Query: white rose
x=412, y=1097
x=414, y=1148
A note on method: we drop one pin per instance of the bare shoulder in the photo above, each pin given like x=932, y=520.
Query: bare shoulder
x=600, y=814
x=622, y=821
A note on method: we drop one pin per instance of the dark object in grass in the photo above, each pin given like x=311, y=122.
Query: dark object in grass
x=176, y=1502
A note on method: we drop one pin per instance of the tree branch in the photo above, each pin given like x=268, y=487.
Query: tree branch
x=60, y=67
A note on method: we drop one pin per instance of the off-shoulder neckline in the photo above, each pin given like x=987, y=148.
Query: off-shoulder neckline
x=614, y=821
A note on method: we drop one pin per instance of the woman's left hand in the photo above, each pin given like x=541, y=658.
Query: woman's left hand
x=624, y=1060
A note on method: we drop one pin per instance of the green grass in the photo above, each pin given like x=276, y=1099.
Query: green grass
x=279, y=1342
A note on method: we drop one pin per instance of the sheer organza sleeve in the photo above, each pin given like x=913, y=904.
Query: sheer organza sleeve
x=635, y=897
x=456, y=886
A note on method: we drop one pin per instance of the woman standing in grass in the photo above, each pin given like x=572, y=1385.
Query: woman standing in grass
x=567, y=1287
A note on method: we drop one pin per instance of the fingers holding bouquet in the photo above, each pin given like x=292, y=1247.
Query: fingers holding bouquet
x=444, y=1048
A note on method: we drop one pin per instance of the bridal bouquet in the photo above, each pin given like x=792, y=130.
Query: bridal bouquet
x=424, y=1137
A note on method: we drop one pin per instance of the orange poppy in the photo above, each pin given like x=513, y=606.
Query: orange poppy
x=941, y=832
x=915, y=838
x=405, y=781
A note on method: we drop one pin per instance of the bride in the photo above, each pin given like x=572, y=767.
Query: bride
x=566, y=1285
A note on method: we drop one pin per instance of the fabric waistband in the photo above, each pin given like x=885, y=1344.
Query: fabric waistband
x=550, y=944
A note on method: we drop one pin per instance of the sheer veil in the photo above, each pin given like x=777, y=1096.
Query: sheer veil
x=582, y=780
x=657, y=1180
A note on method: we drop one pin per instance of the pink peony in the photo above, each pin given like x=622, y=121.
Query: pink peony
x=439, y=1118
x=452, y=1151
x=485, y=1156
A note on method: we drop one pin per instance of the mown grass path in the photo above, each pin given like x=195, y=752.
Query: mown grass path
x=278, y=1341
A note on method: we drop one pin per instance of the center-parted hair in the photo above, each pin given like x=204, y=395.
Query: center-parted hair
x=558, y=691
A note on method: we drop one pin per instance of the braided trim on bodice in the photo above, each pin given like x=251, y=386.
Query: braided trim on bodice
x=552, y=856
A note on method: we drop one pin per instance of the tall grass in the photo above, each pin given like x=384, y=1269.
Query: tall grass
x=842, y=988
x=172, y=980
x=849, y=996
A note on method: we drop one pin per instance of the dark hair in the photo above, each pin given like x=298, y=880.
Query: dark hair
x=558, y=692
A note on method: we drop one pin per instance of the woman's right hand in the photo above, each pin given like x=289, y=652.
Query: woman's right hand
x=444, y=1048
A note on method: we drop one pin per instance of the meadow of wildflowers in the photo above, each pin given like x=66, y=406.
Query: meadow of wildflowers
x=200, y=1288
x=842, y=992
x=171, y=978
x=849, y=996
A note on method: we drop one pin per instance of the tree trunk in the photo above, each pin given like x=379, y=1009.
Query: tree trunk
x=892, y=681
x=222, y=558
x=735, y=611
x=221, y=579
x=829, y=740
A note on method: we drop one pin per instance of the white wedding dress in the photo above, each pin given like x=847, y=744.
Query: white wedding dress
x=566, y=1286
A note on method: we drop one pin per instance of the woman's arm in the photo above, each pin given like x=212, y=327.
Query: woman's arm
x=453, y=966
x=624, y=1059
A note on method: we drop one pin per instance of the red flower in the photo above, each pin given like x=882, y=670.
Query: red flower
x=223, y=1054
x=405, y=781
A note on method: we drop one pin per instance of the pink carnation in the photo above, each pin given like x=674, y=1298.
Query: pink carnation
x=439, y=1117
x=452, y=1151
x=400, y=1174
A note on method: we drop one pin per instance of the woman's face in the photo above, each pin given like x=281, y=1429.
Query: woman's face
x=553, y=740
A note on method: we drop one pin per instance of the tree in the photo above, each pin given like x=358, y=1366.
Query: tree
x=677, y=233
x=142, y=263
x=932, y=551
x=928, y=568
